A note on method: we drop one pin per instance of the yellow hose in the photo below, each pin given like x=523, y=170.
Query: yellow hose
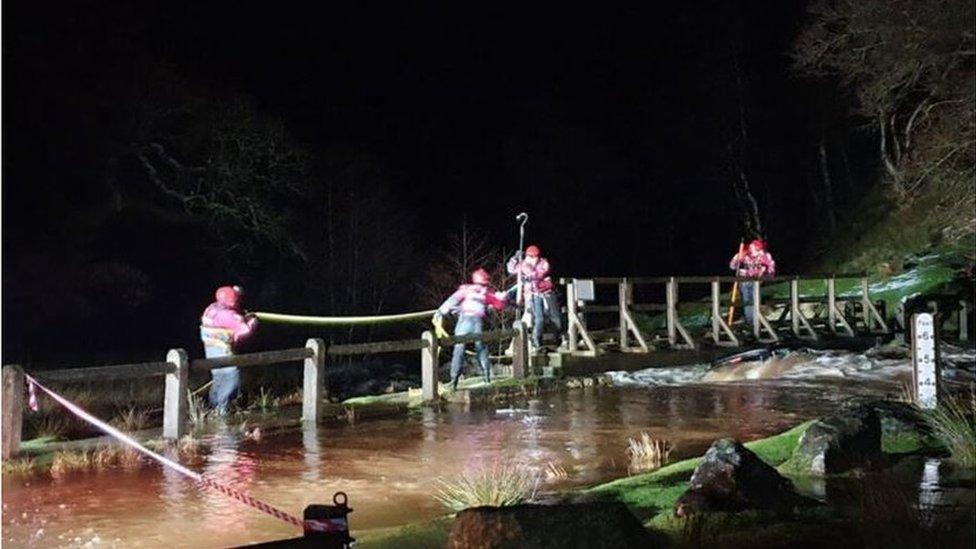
x=277, y=318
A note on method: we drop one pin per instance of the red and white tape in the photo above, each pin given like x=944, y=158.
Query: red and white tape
x=311, y=525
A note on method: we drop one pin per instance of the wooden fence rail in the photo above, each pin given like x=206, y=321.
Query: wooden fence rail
x=175, y=371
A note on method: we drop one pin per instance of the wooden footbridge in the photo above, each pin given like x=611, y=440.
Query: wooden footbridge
x=791, y=307
x=798, y=307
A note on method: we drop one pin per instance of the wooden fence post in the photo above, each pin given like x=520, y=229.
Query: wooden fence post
x=13, y=409
x=571, y=316
x=175, y=395
x=313, y=382
x=672, y=312
x=624, y=294
x=831, y=305
x=520, y=354
x=756, y=309
x=428, y=368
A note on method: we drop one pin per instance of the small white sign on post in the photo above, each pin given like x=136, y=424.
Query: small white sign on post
x=584, y=289
x=925, y=361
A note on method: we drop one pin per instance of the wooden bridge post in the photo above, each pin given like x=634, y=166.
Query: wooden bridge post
x=756, y=310
x=718, y=321
x=831, y=305
x=759, y=321
x=520, y=353
x=834, y=314
x=800, y=322
x=623, y=290
x=13, y=409
x=675, y=327
x=313, y=381
x=871, y=314
x=571, y=315
x=627, y=323
x=175, y=395
x=428, y=368
x=963, y=321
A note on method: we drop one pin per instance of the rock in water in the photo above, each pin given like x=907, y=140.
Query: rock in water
x=847, y=440
x=594, y=524
x=732, y=478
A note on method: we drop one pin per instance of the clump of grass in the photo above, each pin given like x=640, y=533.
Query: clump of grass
x=648, y=453
x=197, y=410
x=953, y=423
x=19, y=466
x=66, y=461
x=105, y=456
x=498, y=485
x=47, y=424
x=131, y=419
x=265, y=400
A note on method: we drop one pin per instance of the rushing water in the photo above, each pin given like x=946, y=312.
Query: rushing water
x=389, y=467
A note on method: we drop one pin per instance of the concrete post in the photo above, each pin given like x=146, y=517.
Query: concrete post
x=520, y=354
x=313, y=383
x=175, y=395
x=428, y=368
x=13, y=409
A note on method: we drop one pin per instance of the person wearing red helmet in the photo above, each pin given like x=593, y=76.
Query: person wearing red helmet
x=223, y=328
x=471, y=303
x=753, y=262
x=537, y=291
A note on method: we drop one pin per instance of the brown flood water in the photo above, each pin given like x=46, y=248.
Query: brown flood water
x=389, y=467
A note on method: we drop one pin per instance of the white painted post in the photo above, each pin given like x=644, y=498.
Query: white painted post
x=13, y=409
x=925, y=359
x=428, y=368
x=313, y=383
x=175, y=395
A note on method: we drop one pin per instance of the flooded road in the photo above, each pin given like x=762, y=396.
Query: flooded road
x=389, y=467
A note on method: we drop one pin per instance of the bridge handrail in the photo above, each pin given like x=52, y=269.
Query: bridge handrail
x=699, y=279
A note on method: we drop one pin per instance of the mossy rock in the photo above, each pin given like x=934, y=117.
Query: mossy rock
x=847, y=440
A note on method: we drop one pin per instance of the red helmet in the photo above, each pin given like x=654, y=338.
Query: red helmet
x=532, y=251
x=481, y=276
x=759, y=244
x=229, y=296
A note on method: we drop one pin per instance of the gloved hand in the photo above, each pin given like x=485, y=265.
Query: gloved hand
x=439, y=331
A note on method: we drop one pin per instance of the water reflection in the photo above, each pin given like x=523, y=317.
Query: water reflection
x=389, y=466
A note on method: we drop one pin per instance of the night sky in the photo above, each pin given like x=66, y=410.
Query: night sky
x=609, y=126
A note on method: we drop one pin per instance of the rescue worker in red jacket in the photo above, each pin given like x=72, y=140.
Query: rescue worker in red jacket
x=471, y=303
x=753, y=262
x=537, y=291
x=223, y=328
